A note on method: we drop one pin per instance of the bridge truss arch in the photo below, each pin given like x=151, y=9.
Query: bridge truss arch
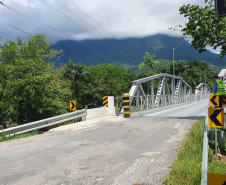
x=171, y=87
x=202, y=89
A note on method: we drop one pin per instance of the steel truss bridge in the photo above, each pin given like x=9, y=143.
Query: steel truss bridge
x=171, y=90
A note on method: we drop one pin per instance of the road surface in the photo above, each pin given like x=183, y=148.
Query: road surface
x=108, y=151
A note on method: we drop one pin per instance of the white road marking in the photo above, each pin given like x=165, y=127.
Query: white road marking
x=128, y=171
x=151, y=153
x=178, y=124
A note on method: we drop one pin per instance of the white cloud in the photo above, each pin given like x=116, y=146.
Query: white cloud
x=122, y=18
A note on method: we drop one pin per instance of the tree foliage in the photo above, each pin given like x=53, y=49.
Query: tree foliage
x=191, y=71
x=203, y=27
x=148, y=60
x=30, y=88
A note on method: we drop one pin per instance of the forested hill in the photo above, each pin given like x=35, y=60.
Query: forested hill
x=131, y=50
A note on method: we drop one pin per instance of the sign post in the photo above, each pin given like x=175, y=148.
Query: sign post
x=73, y=108
x=215, y=115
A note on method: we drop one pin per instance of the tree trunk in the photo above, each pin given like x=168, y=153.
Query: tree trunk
x=123, y=90
x=3, y=124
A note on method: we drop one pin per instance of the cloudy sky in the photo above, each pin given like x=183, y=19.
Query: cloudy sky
x=113, y=18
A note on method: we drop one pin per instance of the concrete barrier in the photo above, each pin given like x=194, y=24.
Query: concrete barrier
x=103, y=111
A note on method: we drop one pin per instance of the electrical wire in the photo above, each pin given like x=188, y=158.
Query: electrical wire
x=14, y=27
x=70, y=19
x=81, y=19
x=8, y=24
x=99, y=24
x=49, y=26
x=7, y=35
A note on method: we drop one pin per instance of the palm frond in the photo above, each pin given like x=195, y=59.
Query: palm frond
x=141, y=65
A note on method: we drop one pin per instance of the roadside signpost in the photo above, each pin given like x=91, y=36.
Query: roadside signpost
x=213, y=100
x=72, y=105
x=73, y=108
x=216, y=118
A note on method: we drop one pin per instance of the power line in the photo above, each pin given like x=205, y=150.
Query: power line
x=49, y=26
x=61, y=31
x=98, y=23
x=8, y=24
x=14, y=27
x=7, y=35
x=92, y=19
x=32, y=29
x=80, y=19
x=70, y=19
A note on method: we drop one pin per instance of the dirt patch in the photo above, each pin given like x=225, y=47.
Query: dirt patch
x=221, y=158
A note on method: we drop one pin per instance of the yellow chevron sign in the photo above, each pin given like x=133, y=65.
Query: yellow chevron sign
x=216, y=117
x=213, y=100
x=72, y=105
x=216, y=179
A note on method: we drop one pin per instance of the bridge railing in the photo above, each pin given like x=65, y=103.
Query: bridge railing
x=142, y=103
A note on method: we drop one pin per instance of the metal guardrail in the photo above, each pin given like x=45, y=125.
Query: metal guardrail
x=44, y=123
x=205, y=152
x=142, y=103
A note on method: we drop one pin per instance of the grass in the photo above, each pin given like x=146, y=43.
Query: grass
x=186, y=168
x=216, y=166
x=3, y=137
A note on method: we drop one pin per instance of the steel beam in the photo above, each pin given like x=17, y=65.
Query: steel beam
x=147, y=79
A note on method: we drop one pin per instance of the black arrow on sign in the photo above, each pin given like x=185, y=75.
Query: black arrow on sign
x=213, y=100
x=213, y=117
x=73, y=105
x=224, y=183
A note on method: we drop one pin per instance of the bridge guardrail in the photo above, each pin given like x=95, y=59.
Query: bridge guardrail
x=44, y=123
x=141, y=103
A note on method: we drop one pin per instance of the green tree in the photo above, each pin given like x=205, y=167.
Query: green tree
x=148, y=60
x=190, y=71
x=104, y=80
x=203, y=27
x=75, y=73
x=30, y=88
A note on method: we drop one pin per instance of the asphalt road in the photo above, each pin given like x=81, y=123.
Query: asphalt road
x=194, y=110
x=108, y=151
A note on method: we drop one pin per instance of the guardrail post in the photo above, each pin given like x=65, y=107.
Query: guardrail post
x=84, y=117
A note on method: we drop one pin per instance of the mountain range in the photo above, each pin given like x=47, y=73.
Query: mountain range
x=131, y=50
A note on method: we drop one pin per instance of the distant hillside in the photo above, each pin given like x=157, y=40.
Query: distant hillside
x=131, y=50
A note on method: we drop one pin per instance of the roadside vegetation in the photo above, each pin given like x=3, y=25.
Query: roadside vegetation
x=4, y=138
x=217, y=164
x=186, y=168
